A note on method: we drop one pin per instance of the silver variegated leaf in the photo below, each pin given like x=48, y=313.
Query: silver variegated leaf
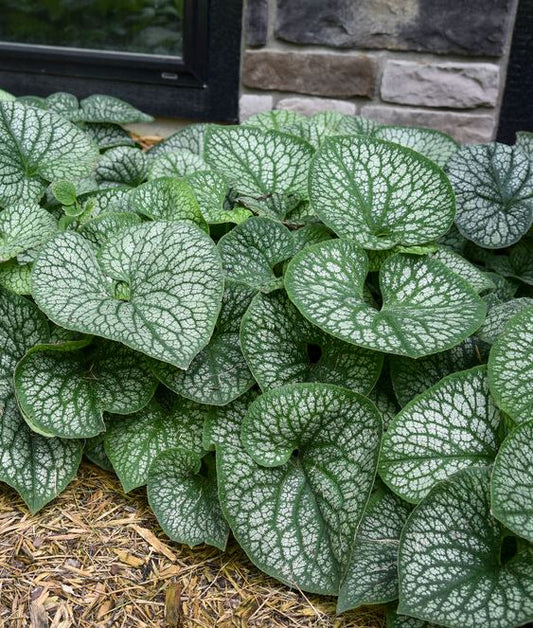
x=511, y=366
x=107, y=226
x=219, y=373
x=426, y=307
x=123, y=165
x=379, y=194
x=451, y=567
x=177, y=164
x=64, y=389
x=435, y=145
x=493, y=186
x=478, y=279
x=211, y=191
x=102, y=108
x=372, y=573
x=107, y=135
x=190, y=138
x=37, y=147
x=412, y=377
x=156, y=288
x=24, y=226
x=282, y=347
x=281, y=120
x=498, y=315
x=222, y=425
x=296, y=490
x=251, y=251
x=167, y=199
x=184, y=500
x=133, y=442
x=15, y=277
x=512, y=481
x=453, y=425
x=37, y=468
x=267, y=167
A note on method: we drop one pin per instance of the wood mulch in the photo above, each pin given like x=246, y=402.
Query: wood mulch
x=96, y=557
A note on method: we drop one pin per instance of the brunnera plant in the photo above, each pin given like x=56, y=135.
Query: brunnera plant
x=314, y=334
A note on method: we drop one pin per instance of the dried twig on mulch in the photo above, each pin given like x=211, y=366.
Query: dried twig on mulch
x=96, y=558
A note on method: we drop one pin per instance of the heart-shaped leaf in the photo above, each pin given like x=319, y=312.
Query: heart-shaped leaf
x=156, y=287
x=167, y=199
x=372, y=573
x=37, y=147
x=63, y=390
x=251, y=250
x=435, y=145
x=295, y=493
x=379, y=194
x=282, y=347
x=453, y=425
x=511, y=366
x=133, y=442
x=453, y=569
x=64, y=104
x=493, y=186
x=219, y=373
x=211, y=191
x=412, y=377
x=426, y=307
x=37, y=468
x=265, y=166
x=184, y=500
x=123, y=165
x=24, y=226
x=512, y=482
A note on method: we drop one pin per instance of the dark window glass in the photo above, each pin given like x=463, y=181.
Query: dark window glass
x=151, y=27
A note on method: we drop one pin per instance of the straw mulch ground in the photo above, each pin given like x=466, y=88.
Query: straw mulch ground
x=96, y=558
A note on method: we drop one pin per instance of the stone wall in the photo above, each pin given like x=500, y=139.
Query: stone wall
x=436, y=63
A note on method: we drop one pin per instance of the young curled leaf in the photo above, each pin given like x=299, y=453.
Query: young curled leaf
x=185, y=500
x=295, y=492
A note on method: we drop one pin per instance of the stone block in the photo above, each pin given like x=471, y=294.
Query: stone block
x=441, y=84
x=256, y=22
x=465, y=127
x=320, y=74
x=469, y=27
x=250, y=104
x=310, y=106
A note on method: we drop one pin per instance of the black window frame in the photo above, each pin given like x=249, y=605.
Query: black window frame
x=515, y=112
x=202, y=84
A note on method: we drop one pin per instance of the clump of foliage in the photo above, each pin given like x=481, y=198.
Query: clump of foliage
x=313, y=333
